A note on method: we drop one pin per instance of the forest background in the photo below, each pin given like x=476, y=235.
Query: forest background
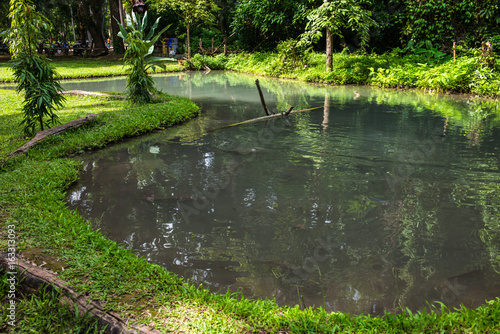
x=260, y=25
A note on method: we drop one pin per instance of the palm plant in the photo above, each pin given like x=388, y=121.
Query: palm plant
x=140, y=85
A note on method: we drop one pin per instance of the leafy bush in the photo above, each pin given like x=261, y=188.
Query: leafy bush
x=455, y=75
x=292, y=55
x=486, y=81
x=256, y=63
x=199, y=62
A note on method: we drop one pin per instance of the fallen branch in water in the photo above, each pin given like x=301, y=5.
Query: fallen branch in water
x=288, y=111
x=262, y=97
x=83, y=92
x=264, y=118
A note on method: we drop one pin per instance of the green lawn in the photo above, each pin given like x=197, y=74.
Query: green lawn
x=80, y=68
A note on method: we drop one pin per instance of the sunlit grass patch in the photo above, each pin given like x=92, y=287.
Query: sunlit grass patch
x=43, y=313
x=80, y=68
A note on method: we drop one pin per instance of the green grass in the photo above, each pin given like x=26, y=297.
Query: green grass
x=43, y=313
x=32, y=197
x=80, y=68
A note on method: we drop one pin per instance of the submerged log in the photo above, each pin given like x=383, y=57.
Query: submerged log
x=265, y=118
x=41, y=135
x=83, y=92
x=31, y=278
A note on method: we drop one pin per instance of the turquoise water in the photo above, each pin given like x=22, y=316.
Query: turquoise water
x=364, y=204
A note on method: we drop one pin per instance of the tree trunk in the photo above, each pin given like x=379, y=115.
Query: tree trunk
x=90, y=13
x=329, y=50
x=188, y=41
x=72, y=23
x=114, y=9
x=32, y=278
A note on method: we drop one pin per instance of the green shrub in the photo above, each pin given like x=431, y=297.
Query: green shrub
x=455, y=75
x=398, y=76
x=200, y=62
x=292, y=55
x=140, y=85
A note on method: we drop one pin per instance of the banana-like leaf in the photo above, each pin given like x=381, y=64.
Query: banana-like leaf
x=130, y=22
x=150, y=50
x=144, y=21
x=154, y=39
x=123, y=34
x=152, y=30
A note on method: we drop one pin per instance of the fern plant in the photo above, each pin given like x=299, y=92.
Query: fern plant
x=140, y=46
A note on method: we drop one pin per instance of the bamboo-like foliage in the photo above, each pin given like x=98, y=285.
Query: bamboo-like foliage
x=42, y=93
x=140, y=85
x=34, y=76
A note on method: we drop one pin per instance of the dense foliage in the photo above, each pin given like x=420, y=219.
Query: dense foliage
x=446, y=21
x=191, y=13
x=260, y=25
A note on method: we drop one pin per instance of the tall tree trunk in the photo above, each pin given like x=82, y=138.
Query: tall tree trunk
x=329, y=50
x=93, y=22
x=72, y=22
x=114, y=9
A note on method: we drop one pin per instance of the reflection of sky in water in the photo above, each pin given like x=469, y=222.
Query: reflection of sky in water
x=359, y=207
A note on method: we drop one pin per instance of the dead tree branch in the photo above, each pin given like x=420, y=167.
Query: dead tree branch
x=262, y=98
x=41, y=135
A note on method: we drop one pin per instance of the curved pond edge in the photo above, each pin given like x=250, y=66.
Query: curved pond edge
x=32, y=203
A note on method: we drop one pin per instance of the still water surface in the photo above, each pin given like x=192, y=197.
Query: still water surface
x=362, y=205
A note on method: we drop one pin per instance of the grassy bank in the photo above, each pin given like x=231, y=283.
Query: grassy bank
x=83, y=68
x=32, y=199
x=465, y=74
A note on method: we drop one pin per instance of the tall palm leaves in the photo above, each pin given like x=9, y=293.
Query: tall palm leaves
x=140, y=85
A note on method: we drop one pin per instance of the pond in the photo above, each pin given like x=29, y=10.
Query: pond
x=361, y=204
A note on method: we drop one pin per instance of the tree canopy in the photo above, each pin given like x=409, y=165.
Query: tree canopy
x=260, y=25
x=191, y=12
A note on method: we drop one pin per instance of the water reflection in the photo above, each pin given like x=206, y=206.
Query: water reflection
x=363, y=205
